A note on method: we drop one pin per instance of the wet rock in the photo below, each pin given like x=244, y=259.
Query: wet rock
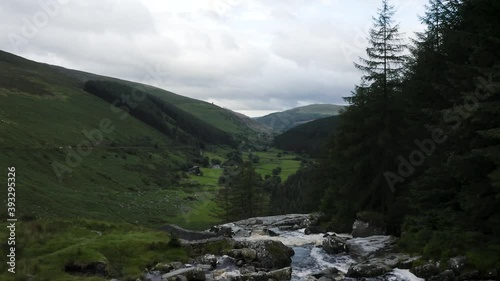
x=362, y=248
x=246, y=253
x=205, y=267
x=191, y=274
x=269, y=254
x=286, y=228
x=425, y=271
x=207, y=259
x=329, y=273
x=215, y=246
x=222, y=230
x=167, y=267
x=270, y=232
x=395, y=260
x=313, y=230
x=242, y=233
x=334, y=245
x=240, y=263
x=186, y=234
x=367, y=270
x=247, y=269
x=406, y=263
x=365, y=229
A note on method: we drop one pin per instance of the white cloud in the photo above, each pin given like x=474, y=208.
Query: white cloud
x=251, y=56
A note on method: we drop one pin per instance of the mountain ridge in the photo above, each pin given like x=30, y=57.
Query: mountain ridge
x=285, y=120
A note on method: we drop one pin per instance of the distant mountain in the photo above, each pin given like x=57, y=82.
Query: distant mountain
x=310, y=138
x=285, y=120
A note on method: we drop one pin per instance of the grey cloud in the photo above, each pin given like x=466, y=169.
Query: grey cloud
x=247, y=55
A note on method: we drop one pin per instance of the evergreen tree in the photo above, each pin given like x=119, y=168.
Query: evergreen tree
x=365, y=140
x=242, y=195
x=248, y=196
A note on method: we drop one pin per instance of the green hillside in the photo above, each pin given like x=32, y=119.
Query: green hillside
x=241, y=126
x=310, y=138
x=285, y=120
x=78, y=156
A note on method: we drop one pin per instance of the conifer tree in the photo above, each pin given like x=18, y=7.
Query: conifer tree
x=364, y=146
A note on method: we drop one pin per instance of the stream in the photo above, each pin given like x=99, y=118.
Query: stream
x=309, y=259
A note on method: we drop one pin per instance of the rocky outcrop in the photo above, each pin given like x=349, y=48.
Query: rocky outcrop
x=369, y=247
x=189, y=274
x=187, y=235
x=335, y=245
x=214, y=246
x=366, y=270
x=265, y=225
x=268, y=254
x=426, y=271
x=329, y=273
x=167, y=267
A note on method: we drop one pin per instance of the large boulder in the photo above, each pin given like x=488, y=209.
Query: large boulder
x=334, y=244
x=246, y=253
x=367, y=270
x=363, y=248
x=207, y=259
x=329, y=273
x=167, y=267
x=222, y=230
x=190, y=274
x=214, y=246
x=269, y=254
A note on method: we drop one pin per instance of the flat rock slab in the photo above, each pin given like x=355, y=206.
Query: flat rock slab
x=191, y=274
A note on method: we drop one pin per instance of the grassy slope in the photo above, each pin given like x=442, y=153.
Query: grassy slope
x=125, y=181
x=222, y=118
x=44, y=247
x=42, y=118
x=270, y=160
x=282, y=121
x=42, y=115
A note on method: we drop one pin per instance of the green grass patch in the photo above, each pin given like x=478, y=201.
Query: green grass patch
x=45, y=247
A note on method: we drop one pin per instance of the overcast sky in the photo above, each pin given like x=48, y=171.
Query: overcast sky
x=251, y=56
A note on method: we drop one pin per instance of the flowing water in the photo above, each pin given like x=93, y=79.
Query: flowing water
x=309, y=259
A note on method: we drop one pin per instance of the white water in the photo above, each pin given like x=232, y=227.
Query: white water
x=310, y=259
